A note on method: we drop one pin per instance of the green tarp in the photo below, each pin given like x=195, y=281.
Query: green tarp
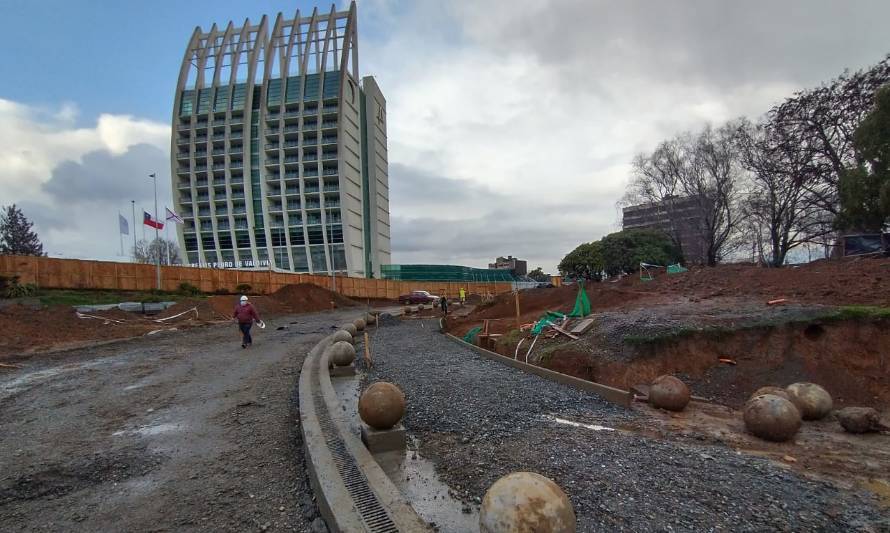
x=550, y=317
x=471, y=335
x=582, y=303
x=676, y=269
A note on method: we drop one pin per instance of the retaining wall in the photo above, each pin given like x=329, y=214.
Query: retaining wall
x=56, y=273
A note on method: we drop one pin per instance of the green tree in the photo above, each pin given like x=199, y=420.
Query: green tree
x=585, y=261
x=622, y=252
x=16, y=237
x=538, y=275
x=865, y=189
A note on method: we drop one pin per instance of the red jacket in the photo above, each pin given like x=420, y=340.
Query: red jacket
x=245, y=313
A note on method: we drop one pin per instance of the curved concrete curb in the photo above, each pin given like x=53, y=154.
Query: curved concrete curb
x=616, y=396
x=353, y=492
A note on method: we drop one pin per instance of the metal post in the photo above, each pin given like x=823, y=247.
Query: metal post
x=157, y=232
x=133, y=205
x=331, y=248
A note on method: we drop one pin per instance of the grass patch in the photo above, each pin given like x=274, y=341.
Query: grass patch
x=859, y=312
x=73, y=297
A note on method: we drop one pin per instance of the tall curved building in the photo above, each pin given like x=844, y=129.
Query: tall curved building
x=279, y=156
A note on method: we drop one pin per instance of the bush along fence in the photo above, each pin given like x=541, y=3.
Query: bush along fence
x=56, y=273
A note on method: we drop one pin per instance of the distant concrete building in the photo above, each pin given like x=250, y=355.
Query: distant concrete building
x=517, y=266
x=279, y=149
x=679, y=217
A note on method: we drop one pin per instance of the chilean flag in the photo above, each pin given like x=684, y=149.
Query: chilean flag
x=148, y=221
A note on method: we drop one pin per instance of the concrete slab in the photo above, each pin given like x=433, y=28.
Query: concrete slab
x=383, y=440
x=342, y=371
x=582, y=326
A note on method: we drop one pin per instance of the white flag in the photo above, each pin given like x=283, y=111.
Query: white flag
x=173, y=216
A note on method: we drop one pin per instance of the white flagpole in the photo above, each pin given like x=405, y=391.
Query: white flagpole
x=167, y=238
x=120, y=233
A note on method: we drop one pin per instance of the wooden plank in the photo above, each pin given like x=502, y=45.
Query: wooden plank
x=581, y=327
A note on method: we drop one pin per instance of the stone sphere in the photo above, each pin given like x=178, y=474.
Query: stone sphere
x=811, y=400
x=370, y=319
x=341, y=353
x=525, y=502
x=775, y=391
x=359, y=324
x=341, y=335
x=668, y=392
x=351, y=329
x=382, y=405
x=771, y=417
x=859, y=419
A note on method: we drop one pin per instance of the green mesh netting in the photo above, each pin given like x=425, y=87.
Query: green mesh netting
x=471, y=335
x=549, y=318
x=582, y=303
x=676, y=269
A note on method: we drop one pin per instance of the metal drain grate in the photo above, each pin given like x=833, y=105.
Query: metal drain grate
x=372, y=513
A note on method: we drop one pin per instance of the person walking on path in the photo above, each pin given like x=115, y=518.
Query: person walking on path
x=463, y=295
x=245, y=315
x=443, y=303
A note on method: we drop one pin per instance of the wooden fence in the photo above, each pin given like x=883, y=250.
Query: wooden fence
x=55, y=273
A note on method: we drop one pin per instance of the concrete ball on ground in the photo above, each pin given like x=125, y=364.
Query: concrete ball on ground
x=668, y=392
x=359, y=324
x=771, y=417
x=775, y=391
x=341, y=353
x=382, y=405
x=811, y=400
x=859, y=419
x=526, y=502
x=351, y=329
x=341, y=335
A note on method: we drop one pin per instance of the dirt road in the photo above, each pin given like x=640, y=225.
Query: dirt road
x=182, y=431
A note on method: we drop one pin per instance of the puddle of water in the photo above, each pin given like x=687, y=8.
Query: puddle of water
x=416, y=477
x=411, y=473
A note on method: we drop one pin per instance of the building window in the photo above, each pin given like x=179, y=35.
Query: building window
x=318, y=259
x=301, y=261
x=221, y=103
x=186, y=105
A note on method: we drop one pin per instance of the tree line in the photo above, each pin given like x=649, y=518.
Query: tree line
x=813, y=166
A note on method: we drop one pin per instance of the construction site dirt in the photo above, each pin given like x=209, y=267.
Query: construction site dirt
x=178, y=431
x=726, y=332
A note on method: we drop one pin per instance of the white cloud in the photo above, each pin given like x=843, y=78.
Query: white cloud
x=71, y=181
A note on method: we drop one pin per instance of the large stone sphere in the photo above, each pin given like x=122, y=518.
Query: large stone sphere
x=370, y=319
x=771, y=417
x=775, y=391
x=525, y=502
x=811, y=400
x=341, y=353
x=382, y=405
x=341, y=335
x=668, y=392
x=359, y=324
x=859, y=419
x=351, y=329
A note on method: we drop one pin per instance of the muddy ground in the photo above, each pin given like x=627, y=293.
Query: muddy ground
x=179, y=431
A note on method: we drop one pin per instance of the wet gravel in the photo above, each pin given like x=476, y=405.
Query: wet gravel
x=479, y=420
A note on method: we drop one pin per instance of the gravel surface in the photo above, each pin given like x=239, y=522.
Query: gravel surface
x=479, y=420
x=184, y=431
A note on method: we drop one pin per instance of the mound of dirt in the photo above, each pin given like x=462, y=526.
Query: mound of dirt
x=221, y=307
x=305, y=298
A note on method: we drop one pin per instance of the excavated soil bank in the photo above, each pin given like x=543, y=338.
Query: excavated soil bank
x=848, y=358
x=305, y=297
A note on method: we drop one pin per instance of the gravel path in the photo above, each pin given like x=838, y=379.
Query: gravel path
x=478, y=420
x=183, y=431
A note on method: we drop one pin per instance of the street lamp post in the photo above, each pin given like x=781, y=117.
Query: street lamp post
x=154, y=178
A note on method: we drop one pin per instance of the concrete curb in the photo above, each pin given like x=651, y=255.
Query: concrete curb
x=616, y=396
x=353, y=492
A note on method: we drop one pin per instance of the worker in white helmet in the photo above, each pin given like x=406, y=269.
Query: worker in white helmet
x=245, y=315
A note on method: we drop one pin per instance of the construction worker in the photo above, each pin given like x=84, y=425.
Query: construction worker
x=463, y=295
x=245, y=315
x=443, y=304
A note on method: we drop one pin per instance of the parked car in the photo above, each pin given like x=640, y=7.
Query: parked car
x=418, y=297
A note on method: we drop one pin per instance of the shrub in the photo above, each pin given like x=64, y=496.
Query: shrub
x=14, y=289
x=188, y=289
x=243, y=288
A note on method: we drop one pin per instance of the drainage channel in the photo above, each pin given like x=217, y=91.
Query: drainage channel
x=353, y=492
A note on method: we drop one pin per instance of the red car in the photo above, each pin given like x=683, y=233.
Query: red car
x=418, y=297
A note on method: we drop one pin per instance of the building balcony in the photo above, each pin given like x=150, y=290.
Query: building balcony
x=310, y=157
x=330, y=172
x=329, y=125
x=310, y=190
x=310, y=173
x=329, y=155
x=182, y=155
x=272, y=162
x=236, y=164
x=310, y=126
x=329, y=140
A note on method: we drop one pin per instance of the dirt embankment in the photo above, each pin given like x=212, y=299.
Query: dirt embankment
x=26, y=330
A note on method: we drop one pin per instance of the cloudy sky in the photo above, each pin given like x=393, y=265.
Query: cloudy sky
x=511, y=123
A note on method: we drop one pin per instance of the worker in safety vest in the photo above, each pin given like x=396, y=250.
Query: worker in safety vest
x=463, y=295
